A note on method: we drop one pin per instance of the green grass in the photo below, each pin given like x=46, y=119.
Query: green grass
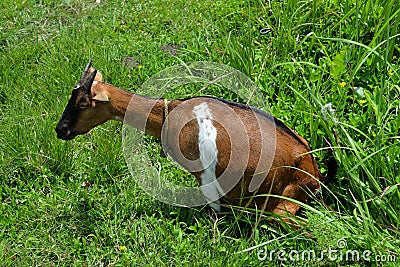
x=76, y=204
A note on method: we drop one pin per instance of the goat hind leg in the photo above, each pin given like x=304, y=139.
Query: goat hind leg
x=285, y=206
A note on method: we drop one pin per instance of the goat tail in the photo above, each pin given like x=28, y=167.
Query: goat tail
x=332, y=166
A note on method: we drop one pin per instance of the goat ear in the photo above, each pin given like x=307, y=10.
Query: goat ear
x=101, y=96
x=98, y=77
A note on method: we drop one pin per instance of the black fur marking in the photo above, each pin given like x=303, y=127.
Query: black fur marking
x=69, y=117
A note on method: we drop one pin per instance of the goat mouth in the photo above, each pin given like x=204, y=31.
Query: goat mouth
x=66, y=137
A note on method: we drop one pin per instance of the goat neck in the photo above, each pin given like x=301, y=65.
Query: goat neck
x=143, y=113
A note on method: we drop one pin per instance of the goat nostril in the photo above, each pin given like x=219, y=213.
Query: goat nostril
x=62, y=130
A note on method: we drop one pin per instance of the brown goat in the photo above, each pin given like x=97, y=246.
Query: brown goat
x=249, y=151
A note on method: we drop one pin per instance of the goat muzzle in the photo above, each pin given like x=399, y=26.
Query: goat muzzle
x=63, y=132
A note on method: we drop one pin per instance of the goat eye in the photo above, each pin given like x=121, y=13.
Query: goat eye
x=82, y=105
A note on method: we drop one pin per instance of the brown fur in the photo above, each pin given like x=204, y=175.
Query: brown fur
x=293, y=173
